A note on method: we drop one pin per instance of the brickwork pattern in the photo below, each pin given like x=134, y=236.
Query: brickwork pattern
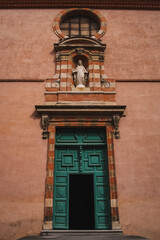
x=63, y=81
x=60, y=34
x=61, y=88
x=48, y=210
x=112, y=176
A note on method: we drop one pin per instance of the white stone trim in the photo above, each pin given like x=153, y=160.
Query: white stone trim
x=96, y=67
x=102, y=67
x=69, y=66
x=53, y=84
x=116, y=225
x=97, y=84
x=59, y=32
x=109, y=92
x=48, y=84
x=96, y=75
x=50, y=173
x=114, y=203
x=78, y=92
x=111, y=172
x=103, y=24
x=51, y=147
x=63, y=75
x=69, y=84
x=91, y=84
x=104, y=75
x=64, y=66
x=100, y=31
x=63, y=84
x=70, y=75
x=48, y=202
x=91, y=75
x=56, y=76
x=81, y=92
x=51, y=134
x=47, y=225
x=112, y=84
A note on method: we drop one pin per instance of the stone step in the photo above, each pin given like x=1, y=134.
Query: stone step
x=78, y=232
x=82, y=235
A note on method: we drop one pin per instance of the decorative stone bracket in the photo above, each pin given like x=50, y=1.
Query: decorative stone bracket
x=116, y=119
x=45, y=122
x=104, y=83
x=80, y=51
x=112, y=113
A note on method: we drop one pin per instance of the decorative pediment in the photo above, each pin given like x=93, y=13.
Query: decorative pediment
x=80, y=42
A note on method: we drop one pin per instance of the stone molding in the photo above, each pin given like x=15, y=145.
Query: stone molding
x=47, y=110
x=99, y=4
x=91, y=52
x=58, y=18
x=60, y=121
x=112, y=113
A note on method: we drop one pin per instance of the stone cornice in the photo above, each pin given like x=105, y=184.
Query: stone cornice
x=111, y=113
x=99, y=4
x=80, y=109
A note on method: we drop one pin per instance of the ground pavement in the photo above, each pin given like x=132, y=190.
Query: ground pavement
x=85, y=235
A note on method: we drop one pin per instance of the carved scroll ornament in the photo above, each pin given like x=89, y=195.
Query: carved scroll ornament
x=45, y=122
x=116, y=119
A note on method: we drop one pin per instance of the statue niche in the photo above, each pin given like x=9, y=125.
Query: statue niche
x=80, y=75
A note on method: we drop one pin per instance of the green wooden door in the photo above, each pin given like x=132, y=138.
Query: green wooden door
x=81, y=151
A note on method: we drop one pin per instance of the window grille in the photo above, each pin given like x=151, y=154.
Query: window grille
x=79, y=25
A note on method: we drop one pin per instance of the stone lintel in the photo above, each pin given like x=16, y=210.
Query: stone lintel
x=117, y=110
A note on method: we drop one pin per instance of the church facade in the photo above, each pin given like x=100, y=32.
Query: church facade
x=80, y=118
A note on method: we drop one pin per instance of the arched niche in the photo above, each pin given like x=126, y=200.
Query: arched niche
x=83, y=58
x=85, y=62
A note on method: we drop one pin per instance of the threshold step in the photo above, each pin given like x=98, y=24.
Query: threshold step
x=84, y=236
x=53, y=232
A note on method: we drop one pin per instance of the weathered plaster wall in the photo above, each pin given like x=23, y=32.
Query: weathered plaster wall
x=23, y=160
x=23, y=156
x=137, y=159
x=26, y=50
x=133, y=44
x=27, y=39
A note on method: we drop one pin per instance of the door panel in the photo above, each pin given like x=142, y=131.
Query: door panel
x=102, y=201
x=60, y=216
x=95, y=161
x=81, y=151
x=67, y=159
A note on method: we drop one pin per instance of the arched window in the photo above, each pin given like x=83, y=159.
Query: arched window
x=79, y=24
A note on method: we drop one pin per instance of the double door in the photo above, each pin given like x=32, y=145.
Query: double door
x=81, y=186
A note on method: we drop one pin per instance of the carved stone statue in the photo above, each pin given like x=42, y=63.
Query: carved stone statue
x=80, y=75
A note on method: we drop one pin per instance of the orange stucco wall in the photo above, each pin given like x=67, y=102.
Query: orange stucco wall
x=137, y=159
x=26, y=50
x=27, y=44
x=22, y=160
